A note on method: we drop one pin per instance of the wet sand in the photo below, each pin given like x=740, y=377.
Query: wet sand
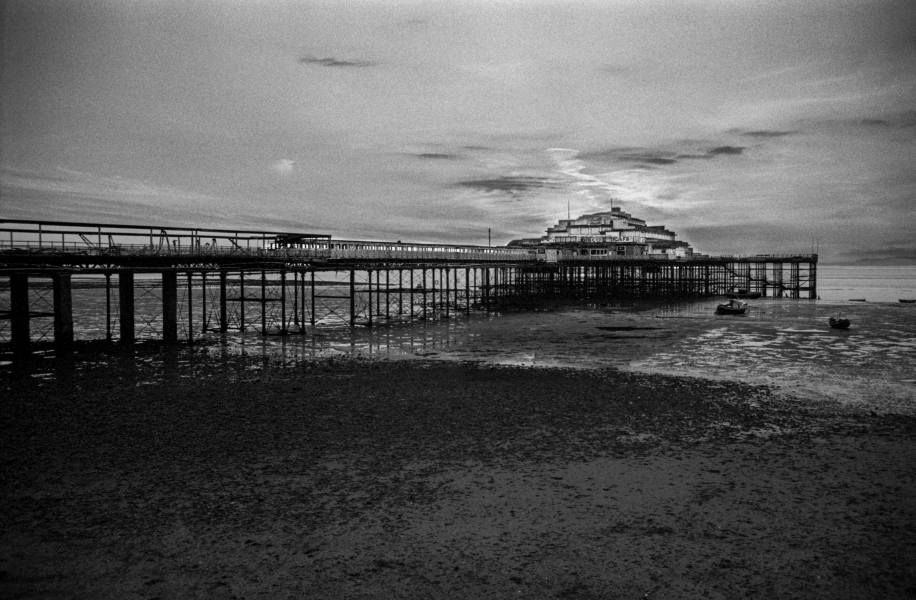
x=191, y=476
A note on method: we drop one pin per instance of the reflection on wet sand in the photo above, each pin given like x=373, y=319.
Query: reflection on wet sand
x=784, y=343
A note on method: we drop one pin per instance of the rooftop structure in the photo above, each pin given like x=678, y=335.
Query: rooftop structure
x=613, y=232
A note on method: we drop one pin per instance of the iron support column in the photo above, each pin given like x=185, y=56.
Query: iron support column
x=19, y=313
x=190, y=308
x=63, y=313
x=283, y=303
x=169, y=307
x=352, y=298
x=263, y=302
x=223, y=313
x=126, y=305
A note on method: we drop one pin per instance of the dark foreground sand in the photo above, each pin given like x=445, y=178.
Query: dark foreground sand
x=238, y=478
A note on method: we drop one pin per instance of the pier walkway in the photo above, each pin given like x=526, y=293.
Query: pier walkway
x=129, y=282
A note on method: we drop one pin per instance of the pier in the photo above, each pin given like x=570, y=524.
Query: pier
x=127, y=282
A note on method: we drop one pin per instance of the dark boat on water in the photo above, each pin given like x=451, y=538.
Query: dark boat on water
x=839, y=323
x=908, y=300
x=743, y=294
x=857, y=299
x=733, y=307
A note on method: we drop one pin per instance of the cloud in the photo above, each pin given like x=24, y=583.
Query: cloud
x=284, y=166
x=656, y=160
x=638, y=155
x=761, y=133
x=71, y=183
x=436, y=156
x=899, y=252
x=83, y=196
x=513, y=184
x=335, y=62
x=726, y=150
x=648, y=157
x=652, y=193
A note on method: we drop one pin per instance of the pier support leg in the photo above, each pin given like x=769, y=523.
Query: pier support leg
x=283, y=329
x=312, y=316
x=445, y=288
x=190, y=309
x=108, y=306
x=423, y=271
x=467, y=290
x=19, y=313
x=296, y=286
x=223, y=313
x=203, y=301
x=352, y=298
x=263, y=303
x=812, y=278
x=369, y=292
x=126, y=303
x=63, y=313
x=170, y=307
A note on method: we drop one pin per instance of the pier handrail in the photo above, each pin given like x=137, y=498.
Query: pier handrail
x=97, y=239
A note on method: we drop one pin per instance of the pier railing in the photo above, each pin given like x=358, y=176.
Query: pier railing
x=33, y=239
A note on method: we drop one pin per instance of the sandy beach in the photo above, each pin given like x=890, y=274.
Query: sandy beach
x=183, y=475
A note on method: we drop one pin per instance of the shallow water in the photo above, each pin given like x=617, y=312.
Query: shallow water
x=779, y=342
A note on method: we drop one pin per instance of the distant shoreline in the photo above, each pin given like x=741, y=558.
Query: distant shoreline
x=876, y=262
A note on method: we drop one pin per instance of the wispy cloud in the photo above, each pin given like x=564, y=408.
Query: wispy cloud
x=337, y=63
x=639, y=188
x=79, y=195
x=513, y=184
x=772, y=74
x=763, y=133
x=283, y=166
x=660, y=157
x=706, y=156
x=727, y=150
x=436, y=156
x=79, y=183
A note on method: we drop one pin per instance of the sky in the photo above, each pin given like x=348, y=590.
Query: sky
x=745, y=127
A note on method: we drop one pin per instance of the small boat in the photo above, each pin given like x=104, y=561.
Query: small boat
x=732, y=307
x=857, y=299
x=743, y=294
x=908, y=300
x=839, y=323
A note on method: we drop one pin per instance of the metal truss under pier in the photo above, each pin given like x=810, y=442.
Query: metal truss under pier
x=56, y=289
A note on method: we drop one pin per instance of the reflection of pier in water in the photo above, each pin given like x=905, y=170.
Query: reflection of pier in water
x=66, y=281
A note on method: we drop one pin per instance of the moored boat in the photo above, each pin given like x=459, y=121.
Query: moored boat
x=839, y=323
x=732, y=307
x=857, y=299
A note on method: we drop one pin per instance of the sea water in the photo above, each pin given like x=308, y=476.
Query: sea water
x=783, y=343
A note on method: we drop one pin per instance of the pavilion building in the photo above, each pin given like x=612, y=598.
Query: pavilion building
x=609, y=233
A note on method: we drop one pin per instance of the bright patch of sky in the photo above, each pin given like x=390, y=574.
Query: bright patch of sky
x=746, y=128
